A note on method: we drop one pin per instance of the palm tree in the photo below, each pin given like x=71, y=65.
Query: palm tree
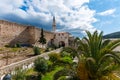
x=97, y=59
x=69, y=70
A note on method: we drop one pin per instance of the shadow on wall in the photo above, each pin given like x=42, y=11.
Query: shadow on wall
x=24, y=38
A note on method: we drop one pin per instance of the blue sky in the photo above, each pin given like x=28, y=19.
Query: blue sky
x=109, y=22
x=74, y=16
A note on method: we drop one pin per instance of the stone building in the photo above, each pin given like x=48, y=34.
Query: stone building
x=61, y=38
x=13, y=33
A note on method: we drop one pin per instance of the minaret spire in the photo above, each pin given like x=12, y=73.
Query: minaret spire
x=54, y=24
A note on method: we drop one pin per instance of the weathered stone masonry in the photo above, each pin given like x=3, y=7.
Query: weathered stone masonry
x=12, y=33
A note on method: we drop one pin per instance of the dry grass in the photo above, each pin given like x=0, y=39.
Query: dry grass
x=14, y=54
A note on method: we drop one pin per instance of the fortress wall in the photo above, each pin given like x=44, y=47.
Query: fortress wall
x=32, y=33
x=37, y=34
x=12, y=33
x=11, y=29
x=48, y=36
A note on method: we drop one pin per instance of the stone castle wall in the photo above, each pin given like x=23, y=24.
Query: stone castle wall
x=12, y=33
x=47, y=34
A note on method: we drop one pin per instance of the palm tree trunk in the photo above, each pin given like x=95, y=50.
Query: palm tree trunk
x=82, y=72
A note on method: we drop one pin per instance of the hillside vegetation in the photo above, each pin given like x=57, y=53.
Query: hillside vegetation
x=112, y=35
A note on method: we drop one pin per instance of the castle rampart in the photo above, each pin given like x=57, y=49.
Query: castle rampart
x=12, y=33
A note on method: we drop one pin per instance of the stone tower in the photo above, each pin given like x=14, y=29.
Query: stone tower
x=54, y=24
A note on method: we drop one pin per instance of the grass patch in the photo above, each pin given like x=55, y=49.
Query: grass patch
x=49, y=76
x=30, y=72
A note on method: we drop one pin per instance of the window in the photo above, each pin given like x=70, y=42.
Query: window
x=65, y=37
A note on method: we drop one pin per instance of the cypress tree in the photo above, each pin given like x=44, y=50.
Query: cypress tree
x=42, y=38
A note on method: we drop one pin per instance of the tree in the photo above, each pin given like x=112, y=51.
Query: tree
x=42, y=38
x=97, y=59
x=41, y=66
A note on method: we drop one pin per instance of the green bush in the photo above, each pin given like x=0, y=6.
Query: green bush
x=63, y=78
x=64, y=53
x=66, y=60
x=7, y=45
x=54, y=57
x=47, y=49
x=17, y=45
x=52, y=46
x=50, y=66
x=69, y=52
x=32, y=77
x=41, y=65
x=36, y=50
x=19, y=75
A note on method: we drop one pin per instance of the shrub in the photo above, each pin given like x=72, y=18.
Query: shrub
x=71, y=52
x=47, y=49
x=53, y=46
x=32, y=77
x=18, y=45
x=36, y=50
x=7, y=45
x=50, y=65
x=63, y=78
x=54, y=57
x=41, y=65
x=66, y=60
x=19, y=75
x=64, y=53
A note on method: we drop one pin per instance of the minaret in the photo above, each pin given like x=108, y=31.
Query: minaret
x=54, y=24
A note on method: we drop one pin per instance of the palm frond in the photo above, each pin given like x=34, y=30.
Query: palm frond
x=104, y=43
x=63, y=72
x=112, y=55
x=113, y=44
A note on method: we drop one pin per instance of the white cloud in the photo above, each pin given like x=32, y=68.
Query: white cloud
x=107, y=12
x=72, y=14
